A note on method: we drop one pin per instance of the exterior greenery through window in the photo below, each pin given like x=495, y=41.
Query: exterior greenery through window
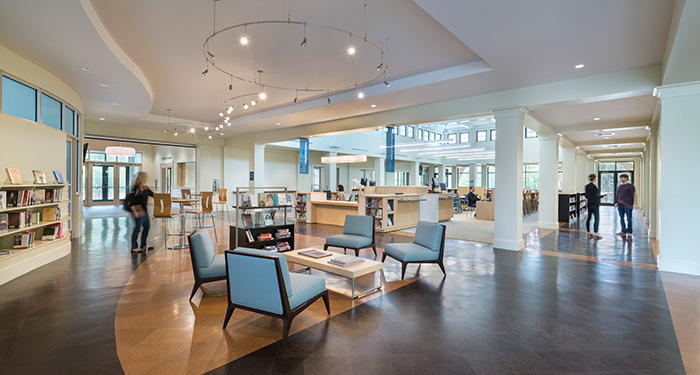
x=531, y=176
x=481, y=136
x=463, y=175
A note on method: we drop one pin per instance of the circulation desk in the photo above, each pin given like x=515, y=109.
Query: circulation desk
x=331, y=212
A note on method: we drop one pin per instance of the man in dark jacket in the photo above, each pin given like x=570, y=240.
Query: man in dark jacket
x=624, y=202
x=472, y=198
x=593, y=204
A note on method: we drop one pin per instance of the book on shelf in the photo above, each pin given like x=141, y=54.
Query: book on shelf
x=39, y=177
x=316, y=253
x=13, y=175
x=50, y=233
x=389, y=222
x=283, y=246
x=3, y=223
x=259, y=218
x=268, y=218
x=50, y=214
x=36, y=217
x=265, y=237
x=346, y=260
x=23, y=240
x=249, y=235
x=58, y=195
x=49, y=196
x=5, y=252
x=247, y=220
x=39, y=196
x=270, y=248
x=58, y=177
x=16, y=220
x=3, y=200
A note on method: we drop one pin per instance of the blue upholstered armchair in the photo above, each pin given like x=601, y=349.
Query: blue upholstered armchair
x=428, y=246
x=260, y=281
x=358, y=233
x=207, y=266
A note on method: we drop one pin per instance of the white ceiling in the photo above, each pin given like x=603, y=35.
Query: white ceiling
x=435, y=47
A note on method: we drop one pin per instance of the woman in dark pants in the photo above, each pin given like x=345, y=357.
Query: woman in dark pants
x=593, y=199
x=138, y=203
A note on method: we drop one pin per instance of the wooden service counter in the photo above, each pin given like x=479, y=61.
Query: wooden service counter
x=484, y=210
x=391, y=211
x=331, y=212
x=437, y=207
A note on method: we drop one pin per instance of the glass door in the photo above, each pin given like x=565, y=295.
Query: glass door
x=127, y=176
x=609, y=179
x=102, y=183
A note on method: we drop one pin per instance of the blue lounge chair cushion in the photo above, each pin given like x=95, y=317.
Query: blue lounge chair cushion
x=410, y=252
x=304, y=287
x=202, y=247
x=349, y=240
x=217, y=267
x=358, y=225
x=283, y=264
x=428, y=235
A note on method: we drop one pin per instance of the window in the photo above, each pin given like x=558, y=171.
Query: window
x=77, y=126
x=531, y=176
x=493, y=134
x=68, y=120
x=448, y=177
x=420, y=134
x=19, y=99
x=529, y=133
x=439, y=136
x=432, y=136
x=452, y=137
x=478, y=176
x=50, y=111
x=463, y=175
x=401, y=179
x=481, y=136
x=409, y=131
x=402, y=130
x=464, y=137
x=491, y=177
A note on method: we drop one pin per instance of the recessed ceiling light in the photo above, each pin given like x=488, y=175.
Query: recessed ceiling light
x=116, y=104
x=104, y=85
x=102, y=118
x=579, y=66
x=84, y=68
x=278, y=123
x=373, y=106
x=221, y=133
x=596, y=118
x=210, y=137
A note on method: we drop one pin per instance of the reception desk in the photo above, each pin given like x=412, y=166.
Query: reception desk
x=331, y=212
x=484, y=210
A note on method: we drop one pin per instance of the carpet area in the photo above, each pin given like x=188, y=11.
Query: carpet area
x=466, y=227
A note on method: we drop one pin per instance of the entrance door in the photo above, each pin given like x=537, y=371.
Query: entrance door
x=102, y=183
x=609, y=179
x=127, y=176
x=166, y=176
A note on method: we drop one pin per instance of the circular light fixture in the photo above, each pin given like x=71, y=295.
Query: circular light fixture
x=278, y=124
x=221, y=133
x=116, y=104
x=579, y=66
x=206, y=128
x=229, y=124
x=245, y=106
x=221, y=114
x=210, y=137
x=244, y=41
x=175, y=134
x=192, y=130
x=253, y=103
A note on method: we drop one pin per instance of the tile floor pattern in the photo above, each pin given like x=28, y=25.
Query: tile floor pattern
x=496, y=312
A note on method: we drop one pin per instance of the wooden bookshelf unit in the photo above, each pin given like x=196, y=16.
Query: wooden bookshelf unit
x=392, y=212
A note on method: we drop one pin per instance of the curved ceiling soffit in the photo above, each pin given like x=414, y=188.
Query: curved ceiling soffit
x=116, y=50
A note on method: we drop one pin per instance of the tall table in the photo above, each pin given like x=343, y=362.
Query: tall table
x=182, y=202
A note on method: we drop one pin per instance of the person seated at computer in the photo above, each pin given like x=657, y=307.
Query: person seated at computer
x=472, y=198
x=341, y=193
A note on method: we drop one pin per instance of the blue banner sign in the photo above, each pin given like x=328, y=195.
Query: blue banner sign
x=390, y=149
x=303, y=156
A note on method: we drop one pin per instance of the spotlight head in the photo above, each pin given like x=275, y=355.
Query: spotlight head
x=244, y=41
x=206, y=128
x=351, y=50
x=175, y=134
x=253, y=103
x=165, y=130
x=204, y=73
x=221, y=134
x=230, y=109
x=245, y=106
x=211, y=55
x=229, y=124
x=210, y=137
x=295, y=100
x=262, y=96
x=192, y=130
x=230, y=87
x=387, y=84
x=221, y=114
x=380, y=66
x=303, y=43
x=361, y=95
x=329, y=100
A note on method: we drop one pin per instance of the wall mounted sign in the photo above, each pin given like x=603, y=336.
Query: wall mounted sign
x=390, y=149
x=303, y=156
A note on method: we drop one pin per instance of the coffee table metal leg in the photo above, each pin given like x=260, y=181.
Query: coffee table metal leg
x=370, y=290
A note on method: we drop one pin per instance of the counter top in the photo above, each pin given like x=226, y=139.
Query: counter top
x=335, y=203
x=391, y=195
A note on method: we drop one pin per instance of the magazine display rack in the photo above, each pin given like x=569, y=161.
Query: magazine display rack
x=263, y=219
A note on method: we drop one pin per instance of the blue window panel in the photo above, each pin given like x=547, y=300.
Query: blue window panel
x=18, y=99
x=68, y=120
x=51, y=111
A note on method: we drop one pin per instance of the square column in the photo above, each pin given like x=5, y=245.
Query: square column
x=380, y=171
x=332, y=173
x=548, y=180
x=581, y=176
x=653, y=181
x=568, y=169
x=508, y=206
x=256, y=164
x=679, y=130
x=472, y=174
x=414, y=174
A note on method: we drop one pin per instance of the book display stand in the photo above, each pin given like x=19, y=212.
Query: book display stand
x=262, y=220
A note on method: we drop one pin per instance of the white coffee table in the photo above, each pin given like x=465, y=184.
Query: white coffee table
x=350, y=272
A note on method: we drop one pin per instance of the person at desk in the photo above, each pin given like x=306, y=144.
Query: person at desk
x=472, y=198
x=341, y=193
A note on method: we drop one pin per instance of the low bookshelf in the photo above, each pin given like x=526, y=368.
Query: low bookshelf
x=265, y=219
x=256, y=231
x=572, y=207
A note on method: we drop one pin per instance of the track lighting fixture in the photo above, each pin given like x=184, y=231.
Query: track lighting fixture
x=192, y=130
x=303, y=42
x=175, y=134
x=244, y=41
x=351, y=50
x=253, y=103
x=230, y=87
x=210, y=137
x=165, y=130
x=228, y=124
x=221, y=134
x=380, y=66
x=387, y=84
x=245, y=106
x=221, y=114
x=329, y=100
x=230, y=109
x=204, y=73
x=206, y=128
x=295, y=100
x=262, y=96
x=211, y=55
x=361, y=95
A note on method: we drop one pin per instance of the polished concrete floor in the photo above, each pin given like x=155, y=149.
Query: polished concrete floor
x=566, y=304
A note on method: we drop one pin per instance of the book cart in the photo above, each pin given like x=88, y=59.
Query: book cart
x=262, y=219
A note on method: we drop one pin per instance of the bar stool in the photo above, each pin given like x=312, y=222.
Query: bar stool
x=162, y=205
x=223, y=201
x=206, y=210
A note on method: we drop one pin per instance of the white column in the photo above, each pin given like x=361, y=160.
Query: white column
x=647, y=190
x=508, y=227
x=679, y=130
x=256, y=164
x=653, y=183
x=472, y=174
x=414, y=173
x=484, y=175
x=303, y=180
x=581, y=179
x=332, y=173
x=380, y=171
x=548, y=180
x=590, y=168
x=441, y=173
x=455, y=177
x=568, y=168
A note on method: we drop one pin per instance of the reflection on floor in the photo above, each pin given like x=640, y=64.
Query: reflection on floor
x=495, y=312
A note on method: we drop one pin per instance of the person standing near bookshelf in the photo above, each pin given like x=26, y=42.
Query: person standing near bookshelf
x=341, y=193
x=593, y=198
x=138, y=203
x=624, y=202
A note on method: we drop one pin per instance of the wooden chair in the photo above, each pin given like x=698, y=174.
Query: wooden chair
x=201, y=214
x=162, y=205
x=223, y=202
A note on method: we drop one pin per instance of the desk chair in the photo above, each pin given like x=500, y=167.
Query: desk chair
x=162, y=206
x=206, y=210
x=260, y=281
x=457, y=205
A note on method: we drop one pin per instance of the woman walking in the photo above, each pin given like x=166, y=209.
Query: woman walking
x=138, y=203
x=593, y=199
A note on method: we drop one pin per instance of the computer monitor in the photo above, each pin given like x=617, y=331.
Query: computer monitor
x=329, y=196
x=436, y=182
x=373, y=183
x=363, y=181
x=443, y=187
